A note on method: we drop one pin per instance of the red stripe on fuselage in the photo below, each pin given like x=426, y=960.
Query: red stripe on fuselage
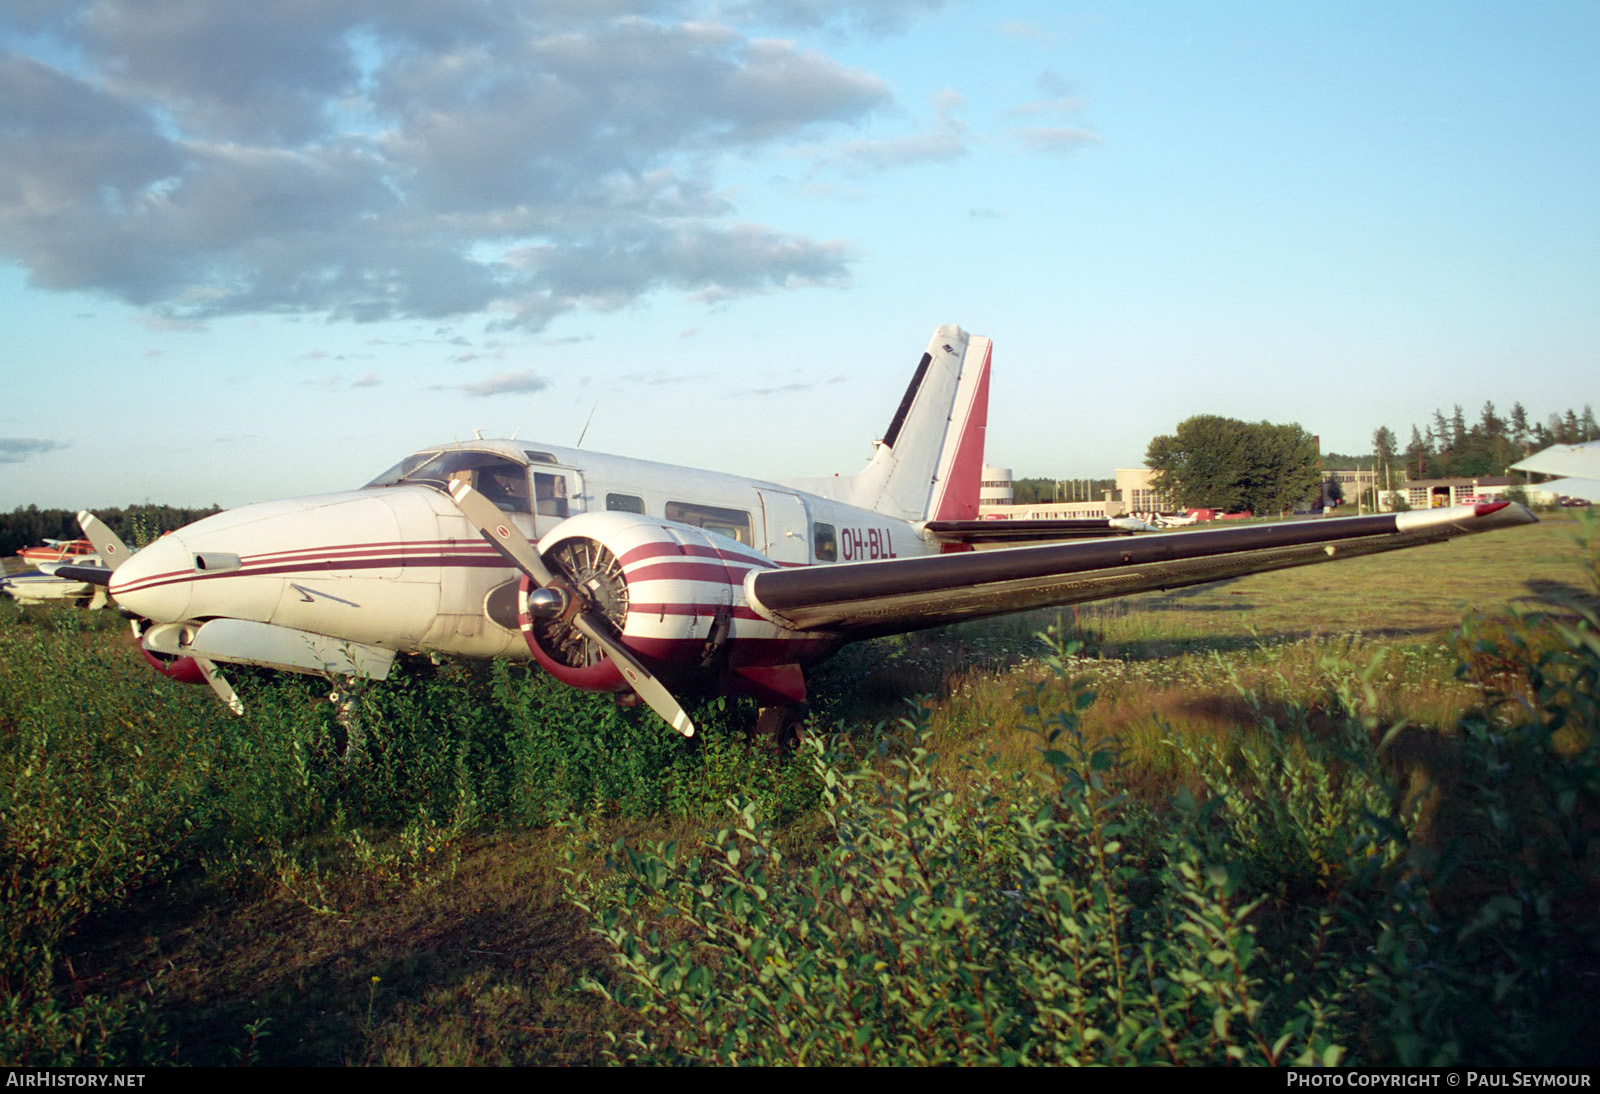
x=715, y=572
x=491, y=560
x=402, y=548
x=655, y=550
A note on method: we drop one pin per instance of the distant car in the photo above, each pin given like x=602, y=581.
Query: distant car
x=1573, y=503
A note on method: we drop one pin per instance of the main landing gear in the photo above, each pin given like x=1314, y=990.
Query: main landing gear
x=781, y=728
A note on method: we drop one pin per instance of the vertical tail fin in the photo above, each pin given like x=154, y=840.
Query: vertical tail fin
x=930, y=462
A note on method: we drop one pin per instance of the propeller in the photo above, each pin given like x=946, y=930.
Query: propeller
x=113, y=552
x=557, y=596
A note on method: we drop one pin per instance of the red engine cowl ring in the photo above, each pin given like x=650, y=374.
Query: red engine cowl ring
x=185, y=670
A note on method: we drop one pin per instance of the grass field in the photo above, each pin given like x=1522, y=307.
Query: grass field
x=180, y=886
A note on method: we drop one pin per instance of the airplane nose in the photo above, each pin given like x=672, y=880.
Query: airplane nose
x=156, y=582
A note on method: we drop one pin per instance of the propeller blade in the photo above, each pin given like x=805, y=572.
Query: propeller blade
x=220, y=685
x=643, y=682
x=113, y=552
x=503, y=536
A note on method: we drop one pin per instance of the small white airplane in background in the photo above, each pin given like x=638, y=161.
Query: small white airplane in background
x=42, y=586
x=647, y=580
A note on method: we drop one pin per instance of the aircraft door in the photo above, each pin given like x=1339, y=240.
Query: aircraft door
x=785, y=526
x=557, y=495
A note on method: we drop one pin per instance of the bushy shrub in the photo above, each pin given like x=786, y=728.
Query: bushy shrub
x=1295, y=912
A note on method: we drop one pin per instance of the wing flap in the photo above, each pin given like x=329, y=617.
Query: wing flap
x=865, y=599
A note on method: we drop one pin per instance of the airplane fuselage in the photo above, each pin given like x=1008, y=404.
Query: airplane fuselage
x=396, y=567
x=644, y=579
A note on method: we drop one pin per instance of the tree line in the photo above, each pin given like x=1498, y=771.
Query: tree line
x=1042, y=491
x=1450, y=448
x=136, y=524
x=1212, y=462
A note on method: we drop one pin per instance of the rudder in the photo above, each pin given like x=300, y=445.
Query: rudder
x=929, y=465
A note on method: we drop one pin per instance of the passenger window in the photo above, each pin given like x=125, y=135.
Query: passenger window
x=549, y=494
x=824, y=545
x=624, y=503
x=733, y=523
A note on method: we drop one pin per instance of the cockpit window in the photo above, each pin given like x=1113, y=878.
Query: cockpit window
x=504, y=482
x=401, y=470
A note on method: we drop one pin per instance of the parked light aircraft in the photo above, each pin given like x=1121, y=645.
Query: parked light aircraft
x=652, y=581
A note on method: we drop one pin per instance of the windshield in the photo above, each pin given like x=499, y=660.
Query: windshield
x=400, y=470
x=503, y=481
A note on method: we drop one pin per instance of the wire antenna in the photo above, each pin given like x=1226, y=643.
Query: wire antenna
x=528, y=415
x=585, y=432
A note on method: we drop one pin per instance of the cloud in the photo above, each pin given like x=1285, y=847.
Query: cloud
x=17, y=449
x=1015, y=28
x=946, y=139
x=1065, y=104
x=373, y=159
x=504, y=383
x=630, y=380
x=369, y=379
x=880, y=16
x=1063, y=139
x=790, y=388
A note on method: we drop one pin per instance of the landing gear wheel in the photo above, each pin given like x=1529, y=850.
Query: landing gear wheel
x=781, y=728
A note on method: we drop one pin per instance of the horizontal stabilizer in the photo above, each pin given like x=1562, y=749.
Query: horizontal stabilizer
x=68, y=571
x=1019, y=532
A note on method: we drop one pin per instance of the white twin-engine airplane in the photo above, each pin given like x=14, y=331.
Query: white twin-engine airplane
x=648, y=580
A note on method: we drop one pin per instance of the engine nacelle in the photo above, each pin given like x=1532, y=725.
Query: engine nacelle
x=675, y=595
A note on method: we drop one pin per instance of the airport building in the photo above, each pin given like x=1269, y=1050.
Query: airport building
x=1352, y=482
x=1133, y=494
x=1138, y=494
x=995, y=487
x=1437, y=493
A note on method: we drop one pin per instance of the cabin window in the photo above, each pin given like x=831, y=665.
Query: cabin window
x=824, y=544
x=503, y=481
x=733, y=523
x=624, y=503
x=550, y=494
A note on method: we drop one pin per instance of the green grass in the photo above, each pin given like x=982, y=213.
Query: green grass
x=183, y=886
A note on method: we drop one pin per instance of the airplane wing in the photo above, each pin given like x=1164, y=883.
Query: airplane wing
x=862, y=600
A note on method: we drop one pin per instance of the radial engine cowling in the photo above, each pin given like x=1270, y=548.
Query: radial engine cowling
x=673, y=592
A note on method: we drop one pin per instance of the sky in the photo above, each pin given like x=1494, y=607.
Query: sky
x=251, y=251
